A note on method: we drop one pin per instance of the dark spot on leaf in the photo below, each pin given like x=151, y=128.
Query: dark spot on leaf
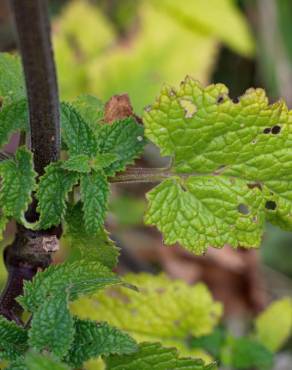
x=243, y=209
x=255, y=219
x=235, y=100
x=271, y=205
x=113, y=293
x=172, y=92
x=276, y=130
x=267, y=130
x=255, y=185
x=160, y=290
x=220, y=99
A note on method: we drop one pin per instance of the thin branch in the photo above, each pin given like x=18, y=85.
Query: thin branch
x=148, y=175
x=142, y=175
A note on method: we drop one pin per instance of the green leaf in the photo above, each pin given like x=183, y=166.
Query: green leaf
x=94, y=246
x=206, y=211
x=52, y=326
x=91, y=109
x=76, y=133
x=212, y=139
x=163, y=310
x=153, y=356
x=124, y=138
x=18, y=182
x=274, y=325
x=211, y=343
x=79, y=277
x=18, y=364
x=11, y=78
x=78, y=163
x=13, y=117
x=13, y=340
x=52, y=194
x=245, y=353
x=36, y=361
x=102, y=161
x=94, y=339
x=94, y=189
x=83, y=164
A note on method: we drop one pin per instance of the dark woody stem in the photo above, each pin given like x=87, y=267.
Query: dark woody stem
x=29, y=251
x=33, y=30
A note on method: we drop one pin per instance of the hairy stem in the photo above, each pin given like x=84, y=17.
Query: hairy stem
x=144, y=175
x=139, y=175
x=29, y=251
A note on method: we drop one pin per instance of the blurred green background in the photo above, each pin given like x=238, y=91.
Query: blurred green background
x=109, y=47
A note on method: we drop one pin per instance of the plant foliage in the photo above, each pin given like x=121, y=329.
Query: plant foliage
x=229, y=172
x=231, y=166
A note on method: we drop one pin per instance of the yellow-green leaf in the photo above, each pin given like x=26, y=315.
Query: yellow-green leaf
x=274, y=325
x=163, y=310
x=212, y=141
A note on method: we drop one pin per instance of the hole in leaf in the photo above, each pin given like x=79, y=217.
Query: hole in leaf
x=189, y=107
x=276, y=130
x=172, y=92
x=255, y=185
x=267, y=130
x=271, y=205
x=220, y=99
x=243, y=209
x=235, y=100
